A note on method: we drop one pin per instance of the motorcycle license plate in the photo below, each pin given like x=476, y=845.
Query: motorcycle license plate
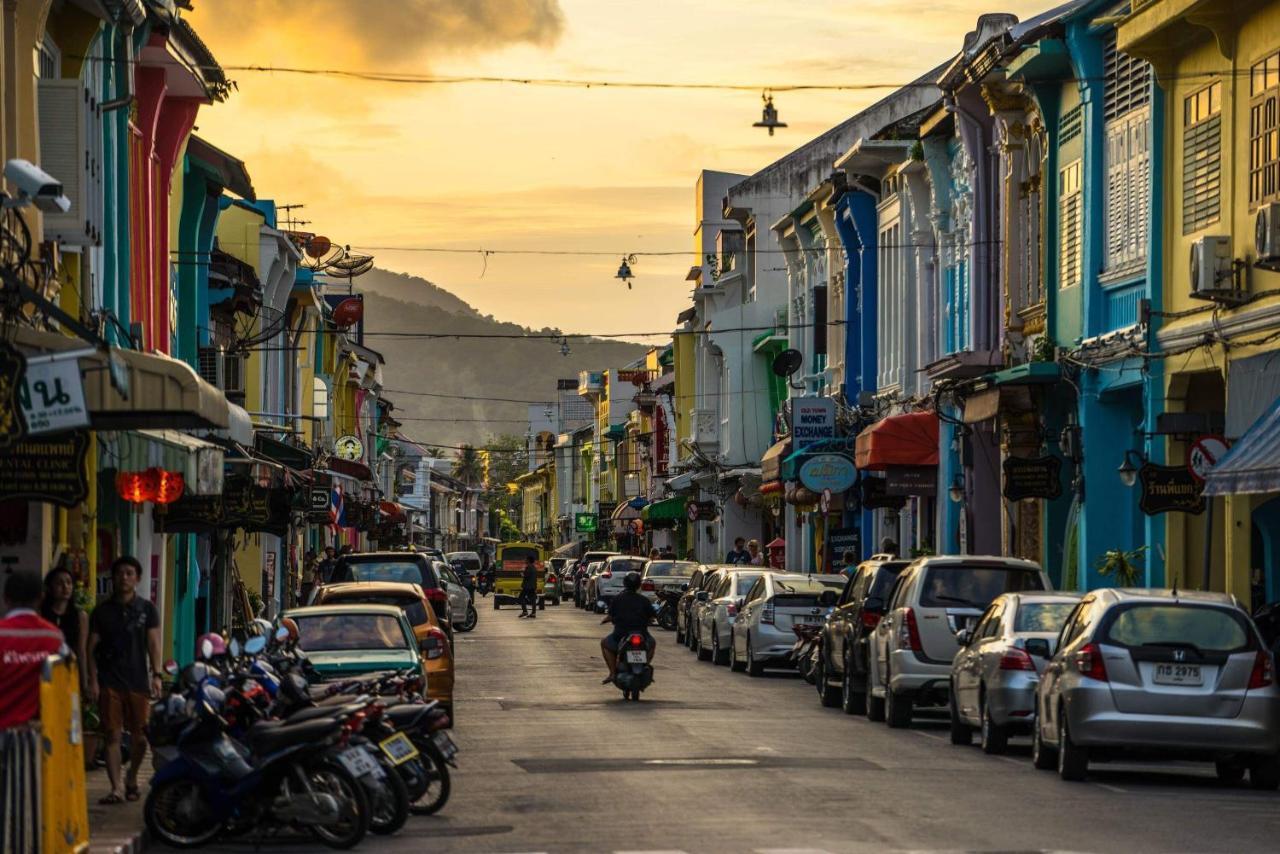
x=398, y=748
x=637, y=656
x=445, y=745
x=358, y=762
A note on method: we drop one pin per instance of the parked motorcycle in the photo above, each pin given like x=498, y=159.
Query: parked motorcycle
x=804, y=654
x=666, y=608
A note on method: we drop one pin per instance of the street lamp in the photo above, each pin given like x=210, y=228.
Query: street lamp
x=1128, y=471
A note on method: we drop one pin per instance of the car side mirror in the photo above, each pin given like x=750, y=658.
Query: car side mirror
x=684, y=587
x=827, y=599
x=1039, y=647
x=702, y=596
x=873, y=605
x=964, y=637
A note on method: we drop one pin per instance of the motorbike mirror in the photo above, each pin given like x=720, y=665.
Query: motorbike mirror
x=1039, y=647
x=234, y=648
x=171, y=667
x=206, y=648
x=964, y=637
x=255, y=644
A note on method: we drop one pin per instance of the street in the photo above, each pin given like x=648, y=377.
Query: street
x=715, y=761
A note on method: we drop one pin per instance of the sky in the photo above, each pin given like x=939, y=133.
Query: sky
x=508, y=166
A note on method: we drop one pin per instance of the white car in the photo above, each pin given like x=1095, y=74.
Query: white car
x=775, y=603
x=608, y=582
x=462, y=616
x=717, y=609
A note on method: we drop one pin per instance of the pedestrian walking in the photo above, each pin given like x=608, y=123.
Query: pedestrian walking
x=58, y=608
x=310, y=567
x=850, y=564
x=26, y=640
x=324, y=569
x=529, y=589
x=655, y=553
x=668, y=553
x=755, y=557
x=738, y=554
x=124, y=638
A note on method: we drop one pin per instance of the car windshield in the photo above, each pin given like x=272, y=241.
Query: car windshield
x=1042, y=616
x=344, y=632
x=886, y=575
x=1207, y=629
x=403, y=572
x=514, y=557
x=975, y=586
x=412, y=606
x=669, y=568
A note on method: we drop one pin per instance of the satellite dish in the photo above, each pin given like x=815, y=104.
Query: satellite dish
x=318, y=246
x=787, y=363
x=348, y=312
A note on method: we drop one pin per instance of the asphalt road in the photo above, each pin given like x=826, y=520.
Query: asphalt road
x=711, y=760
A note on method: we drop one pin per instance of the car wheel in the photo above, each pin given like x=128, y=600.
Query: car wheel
x=734, y=664
x=995, y=738
x=754, y=668
x=852, y=701
x=704, y=652
x=961, y=732
x=897, y=707
x=1230, y=771
x=1073, y=760
x=1042, y=755
x=495, y=602
x=827, y=695
x=473, y=617
x=874, y=705
x=1264, y=773
x=679, y=634
x=718, y=655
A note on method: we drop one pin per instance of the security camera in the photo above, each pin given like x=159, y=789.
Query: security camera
x=36, y=186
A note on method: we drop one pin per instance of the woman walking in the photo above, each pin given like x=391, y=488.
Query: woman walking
x=58, y=608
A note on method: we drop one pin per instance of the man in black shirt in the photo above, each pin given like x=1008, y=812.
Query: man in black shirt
x=629, y=612
x=529, y=589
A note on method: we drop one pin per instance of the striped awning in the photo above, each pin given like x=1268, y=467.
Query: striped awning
x=1252, y=465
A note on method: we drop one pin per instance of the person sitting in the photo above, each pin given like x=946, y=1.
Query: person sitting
x=629, y=612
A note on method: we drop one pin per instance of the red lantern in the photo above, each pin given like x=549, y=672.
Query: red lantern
x=137, y=487
x=169, y=486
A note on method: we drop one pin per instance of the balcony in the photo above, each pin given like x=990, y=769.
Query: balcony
x=590, y=382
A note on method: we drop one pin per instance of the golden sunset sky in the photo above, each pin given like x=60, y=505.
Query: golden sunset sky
x=526, y=167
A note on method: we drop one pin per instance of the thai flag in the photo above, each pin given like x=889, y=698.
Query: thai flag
x=337, y=510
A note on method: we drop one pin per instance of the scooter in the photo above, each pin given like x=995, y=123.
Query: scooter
x=807, y=648
x=635, y=673
x=666, y=609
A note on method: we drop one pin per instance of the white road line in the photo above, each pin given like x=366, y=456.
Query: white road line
x=791, y=851
x=1111, y=788
x=932, y=735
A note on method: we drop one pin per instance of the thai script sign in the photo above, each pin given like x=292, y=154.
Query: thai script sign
x=835, y=472
x=1169, y=489
x=49, y=469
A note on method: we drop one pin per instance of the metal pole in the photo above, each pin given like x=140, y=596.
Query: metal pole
x=1208, y=542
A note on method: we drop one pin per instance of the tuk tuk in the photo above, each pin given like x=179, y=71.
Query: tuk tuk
x=509, y=561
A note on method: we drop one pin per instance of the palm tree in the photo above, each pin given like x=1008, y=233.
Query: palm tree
x=467, y=466
x=434, y=453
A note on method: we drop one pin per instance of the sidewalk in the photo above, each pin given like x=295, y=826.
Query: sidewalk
x=116, y=829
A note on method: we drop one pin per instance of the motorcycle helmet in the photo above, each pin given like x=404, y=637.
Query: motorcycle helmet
x=261, y=627
x=631, y=581
x=216, y=646
x=290, y=625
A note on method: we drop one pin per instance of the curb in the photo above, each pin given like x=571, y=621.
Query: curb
x=135, y=844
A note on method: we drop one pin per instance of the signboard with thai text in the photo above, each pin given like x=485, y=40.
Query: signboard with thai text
x=1040, y=477
x=52, y=397
x=834, y=472
x=1169, y=489
x=48, y=468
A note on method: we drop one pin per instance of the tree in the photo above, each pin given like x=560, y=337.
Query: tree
x=468, y=467
x=508, y=459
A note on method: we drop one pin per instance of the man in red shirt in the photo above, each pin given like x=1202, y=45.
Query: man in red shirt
x=26, y=640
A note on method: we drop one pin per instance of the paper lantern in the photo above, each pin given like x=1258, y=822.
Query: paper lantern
x=137, y=487
x=169, y=485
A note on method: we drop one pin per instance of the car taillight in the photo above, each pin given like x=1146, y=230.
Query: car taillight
x=909, y=632
x=647, y=585
x=606, y=574
x=1263, y=673
x=1017, y=659
x=731, y=609
x=870, y=620
x=768, y=614
x=1089, y=662
x=551, y=578
x=437, y=643
x=436, y=594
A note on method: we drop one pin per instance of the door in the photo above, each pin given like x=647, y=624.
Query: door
x=838, y=628
x=1047, y=702
x=965, y=667
x=882, y=641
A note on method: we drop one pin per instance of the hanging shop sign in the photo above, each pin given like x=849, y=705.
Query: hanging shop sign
x=49, y=469
x=876, y=497
x=812, y=419
x=243, y=505
x=834, y=472
x=348, y=448
x=585, y=523
x=842, y=540
x=51, y=395
x=13, y=424
x=319, y=499
x=910, y=480
x=1038, y=477
x=700, y=511
x=1169, y=489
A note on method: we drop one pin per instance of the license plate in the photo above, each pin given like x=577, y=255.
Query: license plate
x=1177, y=674
x=445, y=744
x=398, y=748
x=637, y=656
x=358, y=762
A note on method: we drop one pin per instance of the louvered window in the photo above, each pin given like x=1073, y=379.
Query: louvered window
x=1070, y=225
x=1264, y=144
x=1201, y=158
x=1127, y=164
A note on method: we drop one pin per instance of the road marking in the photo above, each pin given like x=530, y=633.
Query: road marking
x=932, y=735
x=1111, y=788
x=701, y=762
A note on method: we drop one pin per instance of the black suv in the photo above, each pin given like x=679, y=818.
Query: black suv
x=400, y=567
x=846, y=632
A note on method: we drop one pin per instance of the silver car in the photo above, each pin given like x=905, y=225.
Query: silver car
x=665, y=576
x=462, y=612
x=995, y=673
x=714, y=610
x=777, y=602
x=607, y=583
x=1177, y=673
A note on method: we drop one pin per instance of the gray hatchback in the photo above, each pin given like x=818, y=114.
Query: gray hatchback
x=1176, y=674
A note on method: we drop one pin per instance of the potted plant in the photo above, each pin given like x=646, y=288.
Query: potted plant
x=1125, y=566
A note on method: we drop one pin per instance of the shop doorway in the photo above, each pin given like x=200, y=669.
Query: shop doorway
x=1264, y=555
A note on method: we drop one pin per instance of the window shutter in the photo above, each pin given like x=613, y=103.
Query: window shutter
x=1070, y=226
x=1201, y=174
x=64, y=155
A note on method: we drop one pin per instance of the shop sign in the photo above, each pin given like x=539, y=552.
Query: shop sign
x=320, y=499
x=1169, y=489
x=585, y=523
x=834, y=472
x=243, y=505
x=1039, y=477
x=812, y=420
x=876, y=497
x=910, y=480
x=843, y=540
x=13, y=425
x=52, y=397
x=49, y=469
x=348, y=448
x=700, y=511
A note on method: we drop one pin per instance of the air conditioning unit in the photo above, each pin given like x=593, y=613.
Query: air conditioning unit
x=209, y=364
x=1266, y=233
x=1212, y=270
x=233, y=379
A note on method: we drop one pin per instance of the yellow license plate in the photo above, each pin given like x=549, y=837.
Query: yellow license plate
x=398, y=748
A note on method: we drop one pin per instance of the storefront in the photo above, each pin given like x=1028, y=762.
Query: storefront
x=897, y=458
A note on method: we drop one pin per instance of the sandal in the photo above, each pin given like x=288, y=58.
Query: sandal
x=131, y=793
x=113, y=798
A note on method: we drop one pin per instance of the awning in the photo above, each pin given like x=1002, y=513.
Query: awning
x=357, y=471
x=990, y=402
x=771, y=462
x=292, y=456
x=200, y=462
x=1252, y=466
x=163, y=392
x=625, y=512
x=391, y=510
x=681, y=482
x=567, y=550
x=899, y=440
x=670, y=508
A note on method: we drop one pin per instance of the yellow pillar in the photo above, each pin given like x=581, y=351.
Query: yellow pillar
x=1237, y=535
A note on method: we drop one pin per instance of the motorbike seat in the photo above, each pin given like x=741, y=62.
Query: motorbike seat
x=317, y=712
x=270, y=738
x=409, y=715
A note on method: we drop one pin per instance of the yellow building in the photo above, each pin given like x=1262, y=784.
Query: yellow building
x=1218, y=68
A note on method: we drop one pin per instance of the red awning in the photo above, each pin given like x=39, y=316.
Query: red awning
x=899, y=440
x=392, y=511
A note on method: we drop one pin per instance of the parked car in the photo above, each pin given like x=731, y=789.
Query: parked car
x=701, y=579
x=563, y=569
x=437, y=651
x=715, y=610
x=584, y=573
x=915, y=642
x=995, y=673
x=1177, y=674
x=467, y=566
x=461, y=601
x=762, y=635
x=405, y=567
x=607, y=583
x=846, y=635
x=666, y=576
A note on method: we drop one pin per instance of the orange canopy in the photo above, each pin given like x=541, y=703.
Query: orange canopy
x=899, y=440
